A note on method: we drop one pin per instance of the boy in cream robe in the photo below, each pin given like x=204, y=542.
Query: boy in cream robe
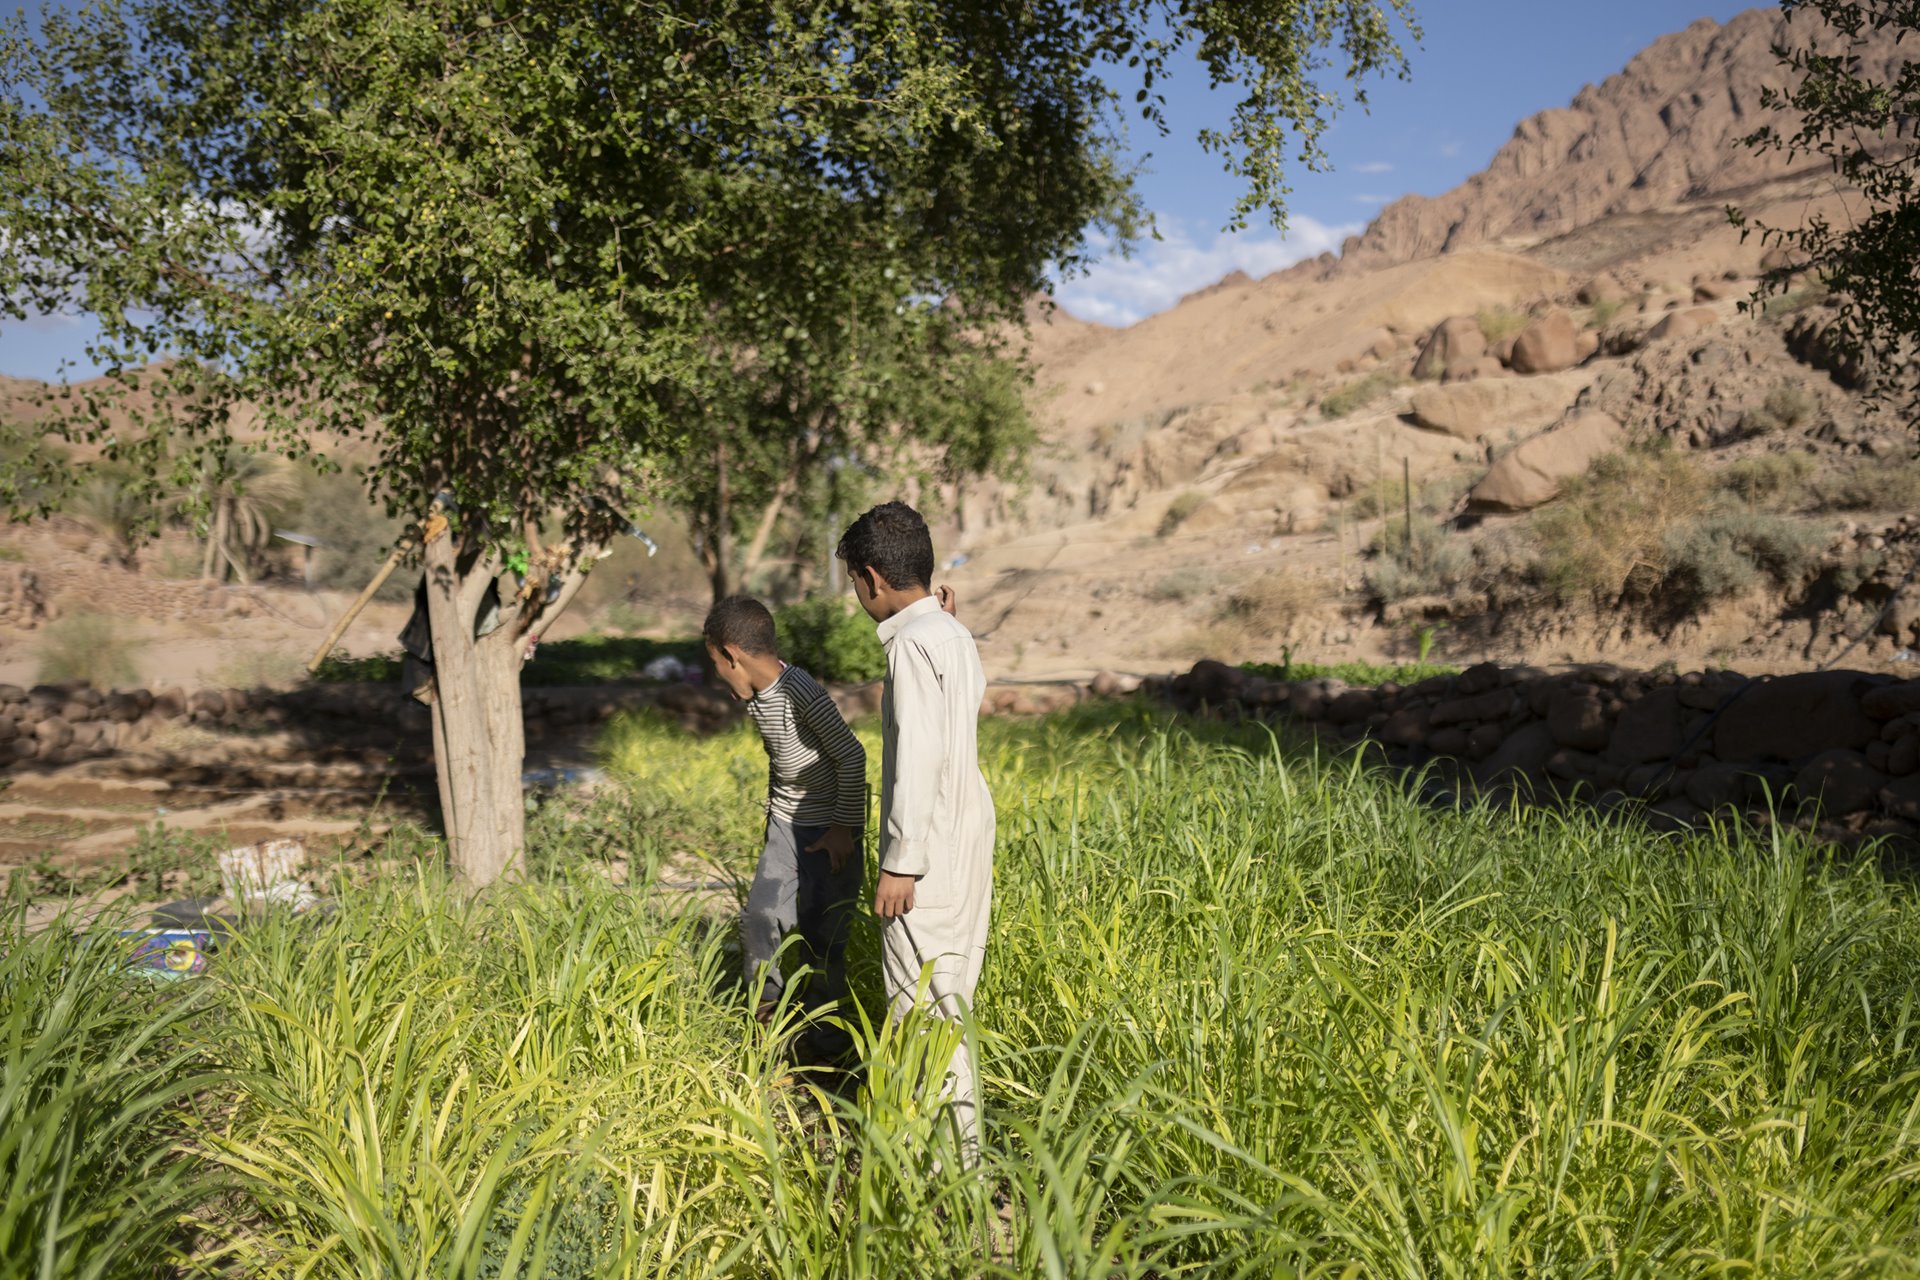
x=936, y=815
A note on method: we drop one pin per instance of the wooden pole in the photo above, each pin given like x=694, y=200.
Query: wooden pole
x=400, y=550
x=1406, y=489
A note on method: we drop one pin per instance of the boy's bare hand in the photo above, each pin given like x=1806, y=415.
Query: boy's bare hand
x=894, y=898
x=944, y=594
x=837, y=844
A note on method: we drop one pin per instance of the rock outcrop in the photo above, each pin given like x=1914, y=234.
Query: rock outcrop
x=1532, y=471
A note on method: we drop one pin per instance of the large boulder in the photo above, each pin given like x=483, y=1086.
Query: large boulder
x=1530, y=473
x=1651, y=729
x=1211, y=682
x=1525, y=753
x=1578, y=719
x=1474, y=410
x=1602, y=288
x=1840, y=781
x=1796, y=717
x=1891, y=701
x=1681, y=324
x=1548, y=345
x=1457, y=340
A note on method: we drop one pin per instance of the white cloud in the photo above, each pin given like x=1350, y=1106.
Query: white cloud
x=1370, y=199
x=1373, y=166
x=1450, y=149
x=1120, y=291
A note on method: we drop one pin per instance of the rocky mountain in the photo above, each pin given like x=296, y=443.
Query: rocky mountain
x=1221, y=479
x=1664, y=132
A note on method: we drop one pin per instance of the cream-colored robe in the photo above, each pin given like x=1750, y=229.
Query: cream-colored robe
x=936, y=823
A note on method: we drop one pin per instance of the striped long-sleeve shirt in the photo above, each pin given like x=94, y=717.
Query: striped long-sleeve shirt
x=816, y=768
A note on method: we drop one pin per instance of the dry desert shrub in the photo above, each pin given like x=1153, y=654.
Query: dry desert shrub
x=1607, y=533
x=1359, y=393
x=1437, y=494
x=1256, y=617
x=1788, y=407
x=1501, y=322
x=1178, y=510
x=1434, y=561
x=1276, y=595
x=1772, y=481
x=1649, y=520
x=91, y=647
x=1867, y=484
x=260, y=668
x=1729, y=552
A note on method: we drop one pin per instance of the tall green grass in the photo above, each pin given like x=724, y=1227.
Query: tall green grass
x=1244, y=1013
x=96, y=1084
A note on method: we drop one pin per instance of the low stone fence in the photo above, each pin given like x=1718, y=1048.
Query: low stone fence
x=57, y=724
x=1839, y=747
x=51, y=725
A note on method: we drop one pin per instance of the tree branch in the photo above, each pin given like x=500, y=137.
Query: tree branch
x=538, y=620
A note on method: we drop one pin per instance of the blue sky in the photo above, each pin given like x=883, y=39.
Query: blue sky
x=1485, y=66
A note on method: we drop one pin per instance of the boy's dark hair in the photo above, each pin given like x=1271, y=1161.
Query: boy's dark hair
x=744, y=622
x=893, y=541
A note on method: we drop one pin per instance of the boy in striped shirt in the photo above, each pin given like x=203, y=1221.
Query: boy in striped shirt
x=809, y=873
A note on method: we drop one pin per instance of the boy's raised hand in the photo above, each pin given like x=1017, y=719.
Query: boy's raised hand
x=894, y=897
x=837, y=844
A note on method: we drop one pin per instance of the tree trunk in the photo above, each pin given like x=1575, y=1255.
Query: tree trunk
x=769, y=516
x=479, y=740
x=216, y=538
x=720, y=537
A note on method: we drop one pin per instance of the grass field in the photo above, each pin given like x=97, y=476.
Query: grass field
x=1244, y=1014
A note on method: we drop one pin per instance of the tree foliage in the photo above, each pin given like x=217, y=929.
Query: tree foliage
x=1861, y=113
x=526, y=253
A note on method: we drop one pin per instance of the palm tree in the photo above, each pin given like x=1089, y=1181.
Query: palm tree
x=114, y=509
x=242, y=491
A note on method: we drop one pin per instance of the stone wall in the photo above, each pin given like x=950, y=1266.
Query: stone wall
x=1841, y=748
x=52, y=725
x=23, y=599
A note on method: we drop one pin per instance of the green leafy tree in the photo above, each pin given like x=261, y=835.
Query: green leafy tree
x=794, y=439
x=1853, y=99
x=494, y=242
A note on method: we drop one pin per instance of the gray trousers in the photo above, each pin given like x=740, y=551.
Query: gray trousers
x=795, y=891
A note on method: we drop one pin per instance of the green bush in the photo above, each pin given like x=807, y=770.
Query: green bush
x=1601, y=314
x=1359, y=393
x=113, y=506
x=831, y=638
x=91, y=647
